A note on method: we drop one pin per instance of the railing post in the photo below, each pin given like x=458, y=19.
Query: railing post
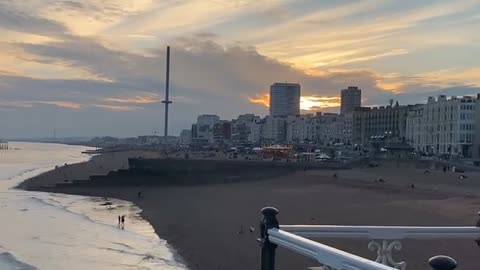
x=269, y=221
x=442, y=262
x=478, y=225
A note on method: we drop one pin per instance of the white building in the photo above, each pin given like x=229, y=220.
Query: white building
x=246, y=129
x=284, y=99
x=324, y=127
x=273, y=129
x=444, y=126
x=300, y=128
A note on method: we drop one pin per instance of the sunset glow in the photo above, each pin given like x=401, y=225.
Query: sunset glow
x=307, y=103
x=86, y=57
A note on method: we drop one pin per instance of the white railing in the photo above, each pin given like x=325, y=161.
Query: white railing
x=384, y=239
x=384, y=232
x=326, y=255
x=388, y=235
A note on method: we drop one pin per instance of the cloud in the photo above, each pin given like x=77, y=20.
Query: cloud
x=102, y=62
x=206, y=77
x=262, y=99
x=14, y=19
x=117, y=108
x=62, y=104
x=152, y=98
x=9, y=105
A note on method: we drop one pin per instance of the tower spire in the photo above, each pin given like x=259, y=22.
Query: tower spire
x=167, y=93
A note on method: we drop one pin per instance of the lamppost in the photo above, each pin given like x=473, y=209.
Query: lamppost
x=387, y=135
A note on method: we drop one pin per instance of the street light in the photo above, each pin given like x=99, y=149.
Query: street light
x=387, y=134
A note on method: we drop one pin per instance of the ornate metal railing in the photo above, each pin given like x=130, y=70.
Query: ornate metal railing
x=384, y=239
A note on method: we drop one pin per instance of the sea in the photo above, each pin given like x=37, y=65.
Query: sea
x=40, y=230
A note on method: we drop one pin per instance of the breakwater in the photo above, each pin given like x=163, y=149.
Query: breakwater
x=195, y=172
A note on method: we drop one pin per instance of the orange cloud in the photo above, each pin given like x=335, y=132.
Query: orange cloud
x=261, y=99
x=153, y=98
x=314, y=103
x=63, y=104
x=307, y=103
x=116, y=108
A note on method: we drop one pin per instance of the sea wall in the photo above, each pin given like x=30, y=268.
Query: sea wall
x=195, y=172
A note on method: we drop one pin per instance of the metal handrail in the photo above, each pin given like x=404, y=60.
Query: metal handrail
x=384, y=232
x=326, y=255
x=293, y=238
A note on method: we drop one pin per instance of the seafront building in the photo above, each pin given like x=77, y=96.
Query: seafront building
x=273, y=129
x=300, y=128
x=246, y=129
x=476, y=139
x=284, y=99
x=202, y=130
x=441, y=126
x=351, y=98
x=445, y=126
x=384, y=124
x=222, y=132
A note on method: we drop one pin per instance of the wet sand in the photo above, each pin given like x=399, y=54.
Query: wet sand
x=202, y=222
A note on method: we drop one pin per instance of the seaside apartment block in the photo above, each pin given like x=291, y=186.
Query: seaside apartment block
x=380, y=124
x=446, y=126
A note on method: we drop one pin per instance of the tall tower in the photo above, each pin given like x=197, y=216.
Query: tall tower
x=351, y=99
x=284, y=99
x=167, y=101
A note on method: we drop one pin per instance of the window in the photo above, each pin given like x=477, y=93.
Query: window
x=469, y=138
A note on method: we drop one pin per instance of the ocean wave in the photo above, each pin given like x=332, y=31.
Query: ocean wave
x=9, y=262
x=56, y=204
x=146, y=257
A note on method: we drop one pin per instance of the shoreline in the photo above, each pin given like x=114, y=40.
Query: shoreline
x=201, y=223
x=56, y=210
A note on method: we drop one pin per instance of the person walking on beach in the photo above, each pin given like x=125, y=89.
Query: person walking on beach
x=123, y=222
x=119, y=220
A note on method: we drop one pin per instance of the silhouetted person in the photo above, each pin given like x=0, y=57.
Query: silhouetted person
x=119, y=221
x=123, y=222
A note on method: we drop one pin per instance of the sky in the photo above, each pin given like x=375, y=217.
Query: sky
x=97, y=67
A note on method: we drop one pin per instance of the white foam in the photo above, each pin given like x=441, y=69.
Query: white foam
x=57, y=231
